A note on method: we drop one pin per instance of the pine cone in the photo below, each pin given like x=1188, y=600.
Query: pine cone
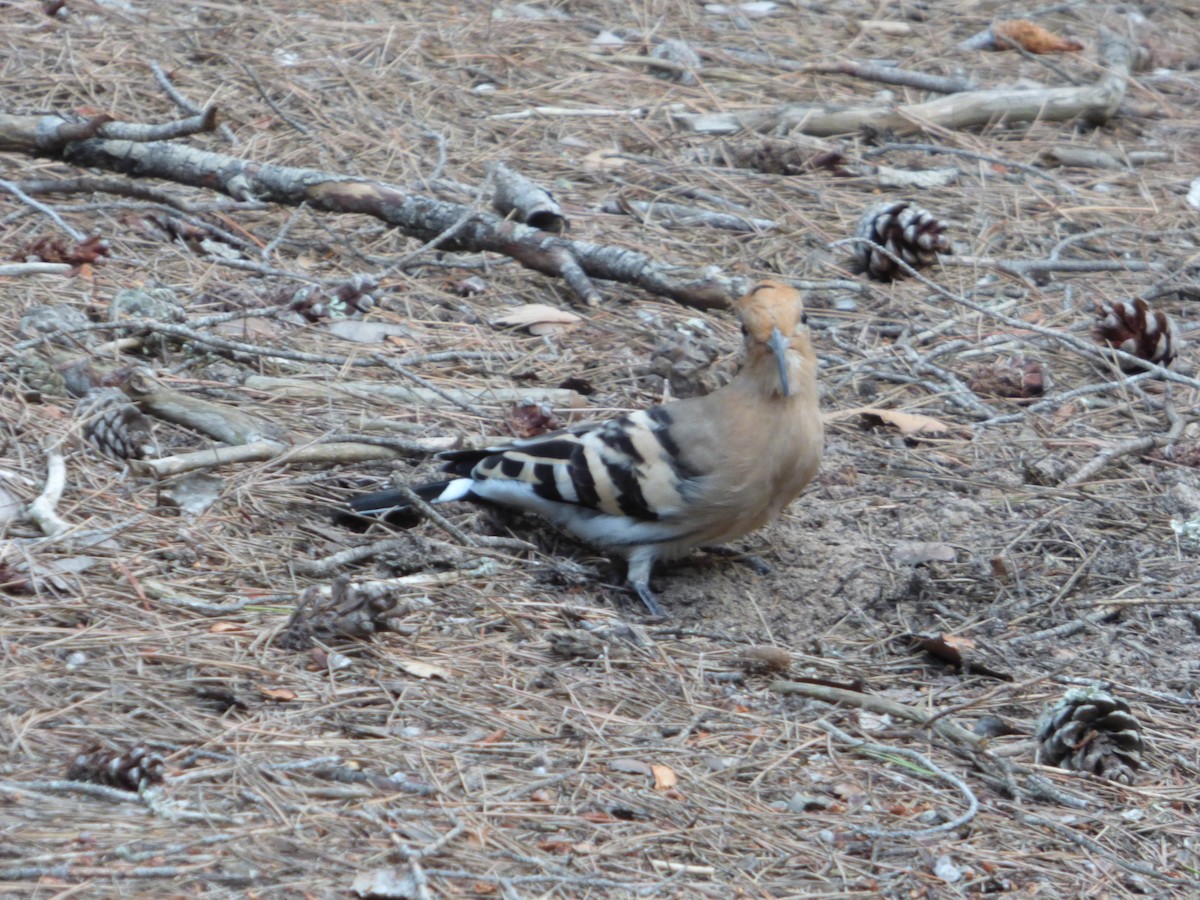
x=113, y=425
x=680, y=52
x=61, y=325
x=129, y=771
x=1090, y=730
x=160, y=304
x=1132, y=326
x=39, y=376
x=345, y=609
x=1014, y=377
x=912, y=233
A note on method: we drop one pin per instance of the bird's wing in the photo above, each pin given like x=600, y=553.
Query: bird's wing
x=631, y=466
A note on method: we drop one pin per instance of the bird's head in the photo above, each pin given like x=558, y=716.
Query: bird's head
x=773, y=320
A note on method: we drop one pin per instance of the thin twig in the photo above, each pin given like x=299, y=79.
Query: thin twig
x=884, y=752
x=937, y=149
x=1133, y=445
x=42, y=208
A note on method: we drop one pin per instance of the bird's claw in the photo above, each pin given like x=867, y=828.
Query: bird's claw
x=647, y=597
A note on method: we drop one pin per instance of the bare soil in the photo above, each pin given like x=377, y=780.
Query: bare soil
x=521, y=730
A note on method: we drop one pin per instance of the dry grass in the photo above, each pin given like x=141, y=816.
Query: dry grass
x=513, y=770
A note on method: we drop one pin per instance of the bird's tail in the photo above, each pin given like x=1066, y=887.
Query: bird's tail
x=393, y=506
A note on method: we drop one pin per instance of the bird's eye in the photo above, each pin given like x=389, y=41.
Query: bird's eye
x=745, y=330
x=803, y=318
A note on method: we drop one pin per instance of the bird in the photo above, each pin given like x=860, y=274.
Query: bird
x=657, y=483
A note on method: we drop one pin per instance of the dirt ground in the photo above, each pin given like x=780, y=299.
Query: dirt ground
x=520, y=730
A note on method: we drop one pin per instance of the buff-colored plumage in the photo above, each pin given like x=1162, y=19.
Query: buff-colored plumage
x=660, y=482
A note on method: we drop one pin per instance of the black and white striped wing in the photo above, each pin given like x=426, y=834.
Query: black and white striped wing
x=626, y=467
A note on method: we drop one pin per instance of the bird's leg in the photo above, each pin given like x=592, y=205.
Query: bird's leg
x=641, y=561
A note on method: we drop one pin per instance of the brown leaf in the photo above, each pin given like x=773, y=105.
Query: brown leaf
x=538, y=319
x=226, y=628
x=421, y=669
x=960, y=653
x=600, y=162
x=56, y=250
x=283, y=695
x=531, y=418
x=664, y=777
x=1013, y=377
x=766, y=659
x=907, y=423
x=599, y=817
x=1010, y=33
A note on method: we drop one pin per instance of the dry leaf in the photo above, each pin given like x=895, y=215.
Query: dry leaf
x=913, y=553
x=664, y=777
x=226, y=628
x=598, y=817
x=395, y=883
x=422, y=670
x=757, y=660
x=370, y=332
x=961, y=653
x=538, y=319
x=1013, y=377
x=1029, y=36
x=529, y=418
x=601, y=161
x=283, y=695
x=631, y=766
x=907, y=423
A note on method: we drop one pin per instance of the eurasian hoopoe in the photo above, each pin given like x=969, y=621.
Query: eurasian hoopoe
x=657, y=483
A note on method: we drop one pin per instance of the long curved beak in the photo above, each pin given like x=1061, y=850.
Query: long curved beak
x=779, y=346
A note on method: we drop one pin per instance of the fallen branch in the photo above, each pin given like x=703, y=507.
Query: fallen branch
x=340, y=453
x=1023, y=268
x=1134, y=445
x=517, y=197
x=935, y=149
x=868, y=71
x=41, y=511
x=17, y=270
x=1091, y=158
x=1096, y=103
x=562, y=398
x=95, y=144
x=884, y=706
x=676, y=215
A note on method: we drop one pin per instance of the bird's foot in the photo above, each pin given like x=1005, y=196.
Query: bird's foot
x=757, y=564
x=642, y=589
